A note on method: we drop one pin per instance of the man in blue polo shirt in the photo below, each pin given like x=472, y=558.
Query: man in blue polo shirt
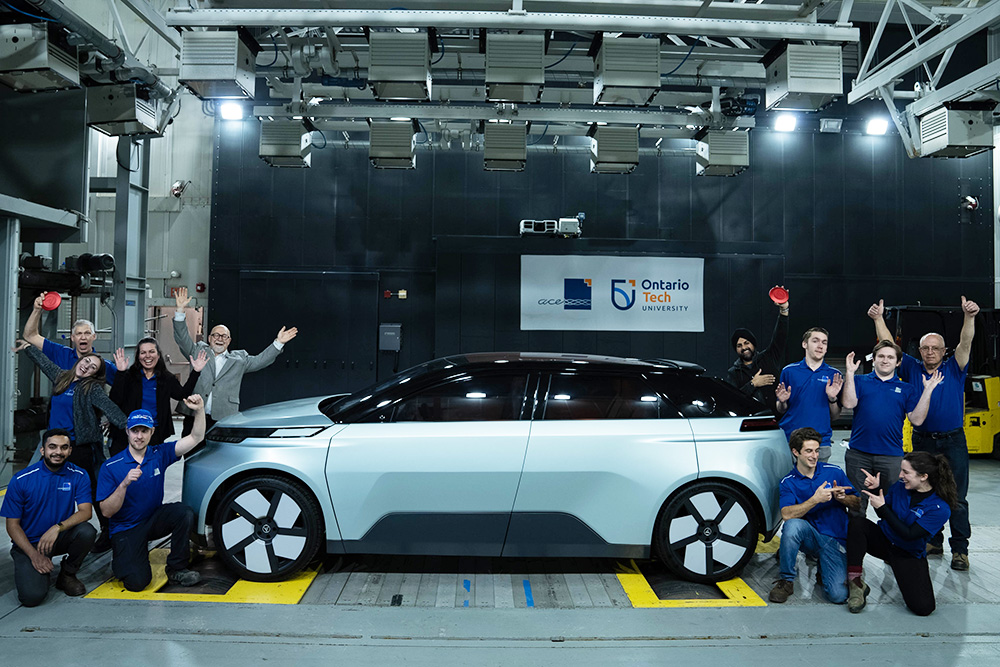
x=130, y=494
x=943, y=432
x=881, y=401
x=82, y=338
x=47, y=507
x=807, y=391
x=814, y=498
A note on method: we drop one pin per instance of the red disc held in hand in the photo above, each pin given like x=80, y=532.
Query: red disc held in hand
x=51, y=301
x=779, y=295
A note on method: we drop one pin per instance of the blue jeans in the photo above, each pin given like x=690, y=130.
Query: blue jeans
x=799, y=535
x=952, y=445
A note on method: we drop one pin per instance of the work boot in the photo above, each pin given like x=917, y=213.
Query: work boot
x=782, y=590
x=183, y=577
x=934, y=549
x=960, y=562
x=69, y=584
x=857, y=596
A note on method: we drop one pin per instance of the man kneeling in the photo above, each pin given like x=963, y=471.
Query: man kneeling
x=815, y=498
x=130, y=494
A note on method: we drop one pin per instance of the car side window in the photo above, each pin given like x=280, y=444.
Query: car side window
x=594, y=396
x=696, y=396
x=467, y=398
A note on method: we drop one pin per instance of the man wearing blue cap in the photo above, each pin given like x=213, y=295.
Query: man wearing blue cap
x=130, y=494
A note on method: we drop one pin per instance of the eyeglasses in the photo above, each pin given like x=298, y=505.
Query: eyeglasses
x=928, y=348
x=218, y=336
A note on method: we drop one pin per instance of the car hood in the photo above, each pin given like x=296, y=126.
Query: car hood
x=288, y=414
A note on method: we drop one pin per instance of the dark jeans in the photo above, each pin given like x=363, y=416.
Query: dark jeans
x=875, y=464
x=130, y=556
x=32, y=586
x=912, y=575
x=952, y=445
x=90, y=456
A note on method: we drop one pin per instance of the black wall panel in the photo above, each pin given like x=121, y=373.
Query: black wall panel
x=839, y=219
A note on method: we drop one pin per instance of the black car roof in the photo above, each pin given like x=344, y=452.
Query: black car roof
x=549, y=360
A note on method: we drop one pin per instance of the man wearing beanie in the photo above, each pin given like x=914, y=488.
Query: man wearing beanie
x=755, y=373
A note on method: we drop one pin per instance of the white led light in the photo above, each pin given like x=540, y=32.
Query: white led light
x=785, y=123
x=475, y=394
x=231, y=111
x=877, y=126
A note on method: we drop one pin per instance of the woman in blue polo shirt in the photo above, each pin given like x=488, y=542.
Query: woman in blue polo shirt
x=915, y=509
x=148, y=385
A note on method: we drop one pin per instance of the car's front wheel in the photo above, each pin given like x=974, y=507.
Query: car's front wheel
x=707, y=532
x=267, y=528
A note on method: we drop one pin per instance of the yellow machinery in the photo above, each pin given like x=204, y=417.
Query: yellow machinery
x=982, y=416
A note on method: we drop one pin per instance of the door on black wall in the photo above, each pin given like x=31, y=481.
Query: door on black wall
x=335, y=350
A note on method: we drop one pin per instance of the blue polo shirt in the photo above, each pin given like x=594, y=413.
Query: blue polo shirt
x=41, y=498
x=947, y=409
x=144, y=495
x=878, y=418
x=808, y=405
x=64, y=357
x=931, y=514
x=61, y=410
x=829, y=518
x=149, y=394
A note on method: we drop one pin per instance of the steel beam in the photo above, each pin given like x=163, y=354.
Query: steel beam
x=10, y=247
x=224, y=18
x=131, y=215
x=154, y=20
x=986, y=75
x=935, y=46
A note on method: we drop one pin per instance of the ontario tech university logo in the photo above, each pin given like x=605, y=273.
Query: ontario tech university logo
x=620, y=298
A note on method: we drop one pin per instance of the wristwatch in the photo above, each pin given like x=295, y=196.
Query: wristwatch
x=60, y=526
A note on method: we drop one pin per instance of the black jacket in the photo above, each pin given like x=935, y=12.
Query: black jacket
x=770, y=360
x=126, y=392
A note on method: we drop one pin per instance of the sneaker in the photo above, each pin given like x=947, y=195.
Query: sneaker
x=857, y=597
x=935, y=549
x=102, y=544
x=782, y=590
x=960, y=562
x=183, y=577
x=69, y=584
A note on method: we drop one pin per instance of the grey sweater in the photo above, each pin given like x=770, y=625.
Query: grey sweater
x=86, y=424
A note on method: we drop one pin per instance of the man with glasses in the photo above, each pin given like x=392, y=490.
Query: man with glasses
x=221, y=379
x=942, y=432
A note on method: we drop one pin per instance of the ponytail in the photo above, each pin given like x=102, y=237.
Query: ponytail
x=938, y=472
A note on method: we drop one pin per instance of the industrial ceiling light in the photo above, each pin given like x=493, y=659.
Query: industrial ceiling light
x=515, y=67
x=285, y=143
x=785, y=122
x=627, y=71
x=123, y=109
x=30, y=62
x=831, y=125
x=954, y=132
x=217, y=65
x=399, y=66
x=803, y=77
x=232, y=111
x=877, y=126
x=613, y=150
x=505, y=146
x=391, y=144
x=722, y=153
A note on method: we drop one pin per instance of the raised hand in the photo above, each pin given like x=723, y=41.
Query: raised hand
x=286, y=335
x=121, y=361
x=782, y=392
x=875, y=501
x=852, y=365
x=833, y=386
x=198, y=363
x=934, y=380
x=40, y=299
x=872, y=482
x=877, y=310
x=181, y=298
x=133, y=474
x=761, y=380
x=194, y=401
x=970, y=308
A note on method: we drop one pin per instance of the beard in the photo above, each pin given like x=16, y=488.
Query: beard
x=747, y=354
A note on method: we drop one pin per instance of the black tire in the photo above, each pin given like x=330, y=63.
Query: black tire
x=267, y=528
x=706, y=533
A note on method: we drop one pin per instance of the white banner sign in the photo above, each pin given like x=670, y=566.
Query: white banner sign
x=589, y=293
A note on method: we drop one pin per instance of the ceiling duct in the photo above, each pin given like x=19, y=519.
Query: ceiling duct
x=285, y=143
x=627, y=71
x=217, y=65
x=505, y=146
x=614, y=150
x=123, y=109
x=391, y=144
x=723, y=153
x=955, y=132
x=515, y=67
x=399, y=66
x=804, y=77
x=30, y=62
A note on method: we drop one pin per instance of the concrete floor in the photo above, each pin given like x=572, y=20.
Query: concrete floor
x=581, y=616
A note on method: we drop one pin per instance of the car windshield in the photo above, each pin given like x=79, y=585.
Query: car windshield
x=336, y=405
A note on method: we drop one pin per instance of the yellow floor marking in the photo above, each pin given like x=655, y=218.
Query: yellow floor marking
x=768, y=547
x=3, y=492
x=641, y=594
x=282, y=592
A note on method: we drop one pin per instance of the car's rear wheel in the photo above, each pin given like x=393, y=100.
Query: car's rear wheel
x=707, y=532
x=267, y=528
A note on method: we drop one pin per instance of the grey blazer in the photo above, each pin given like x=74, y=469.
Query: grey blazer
x=225, y=388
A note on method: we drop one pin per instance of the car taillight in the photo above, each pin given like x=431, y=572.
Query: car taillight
x=766, y=424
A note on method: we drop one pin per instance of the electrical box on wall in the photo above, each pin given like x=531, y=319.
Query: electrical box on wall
x=390, y=337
